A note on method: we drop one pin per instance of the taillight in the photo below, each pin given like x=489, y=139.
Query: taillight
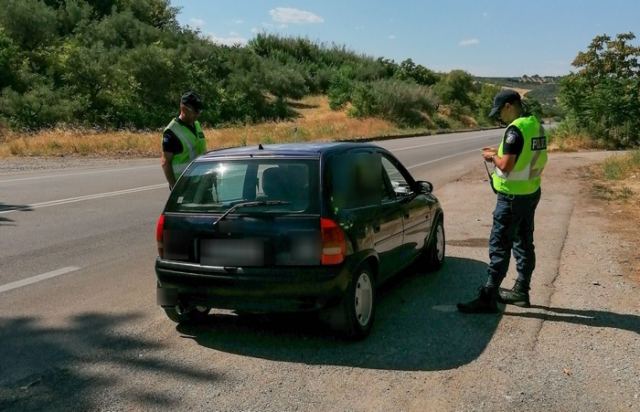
x=159, y=235
x=334, y=244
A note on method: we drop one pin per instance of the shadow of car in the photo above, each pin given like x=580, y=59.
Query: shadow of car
x=291, y=228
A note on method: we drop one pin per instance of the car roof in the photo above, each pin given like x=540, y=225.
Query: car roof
x=313, y=150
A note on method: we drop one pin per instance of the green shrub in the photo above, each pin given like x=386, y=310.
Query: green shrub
x=603, y=97
x=401, y=102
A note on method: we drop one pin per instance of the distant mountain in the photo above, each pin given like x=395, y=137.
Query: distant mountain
x=522, y=81
x=542, y=88
x=538, y=79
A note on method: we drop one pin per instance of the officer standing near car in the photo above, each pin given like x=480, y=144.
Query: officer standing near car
x=183, y=139
x=519, y=162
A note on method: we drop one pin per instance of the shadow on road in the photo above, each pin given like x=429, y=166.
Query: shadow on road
x=22, y=208
x=596, y=318
x=6, y=221
x=64, y=368
x=417, y=327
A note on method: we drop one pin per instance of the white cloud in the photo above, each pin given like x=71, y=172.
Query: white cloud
x=228, y=41
x=238, y=21
x=255, y=30
x=468, y=42
x=270, y=26
x=289, y=15
x=196, y=23
x=392, y=37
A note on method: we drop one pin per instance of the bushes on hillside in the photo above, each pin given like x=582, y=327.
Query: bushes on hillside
x=395, y=100
x=124, y=64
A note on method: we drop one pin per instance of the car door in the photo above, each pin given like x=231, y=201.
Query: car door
x=360, y=197
x=417, y=208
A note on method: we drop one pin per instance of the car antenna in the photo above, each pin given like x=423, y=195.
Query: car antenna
x=260, y=147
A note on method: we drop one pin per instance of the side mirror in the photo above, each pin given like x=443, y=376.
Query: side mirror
x=424, y=187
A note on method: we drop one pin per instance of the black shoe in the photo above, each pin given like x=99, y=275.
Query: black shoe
x=518, y=295
x=486, y=302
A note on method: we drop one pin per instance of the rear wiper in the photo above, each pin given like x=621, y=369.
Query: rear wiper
x=255, y=203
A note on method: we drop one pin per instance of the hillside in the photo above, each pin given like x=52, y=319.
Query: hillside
x=544, y=89
x=115, y=64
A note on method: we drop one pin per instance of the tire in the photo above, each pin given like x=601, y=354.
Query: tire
x=356, y=311
x=434, y=255
x=195, y=314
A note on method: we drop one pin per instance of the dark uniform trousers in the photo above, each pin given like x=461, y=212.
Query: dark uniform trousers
x=512, y=230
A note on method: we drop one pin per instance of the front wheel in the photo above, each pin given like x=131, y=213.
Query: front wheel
x=356, y=311
x=434, y=254
x=180, y=314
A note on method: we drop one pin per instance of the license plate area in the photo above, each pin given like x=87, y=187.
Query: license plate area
x=232, y=252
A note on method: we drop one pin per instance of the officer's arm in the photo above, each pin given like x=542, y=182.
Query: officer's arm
x=505, y=163
x=166, y=167
x=512, y=147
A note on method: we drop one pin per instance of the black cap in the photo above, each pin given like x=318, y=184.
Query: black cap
x=503, y=97
x=192, y=100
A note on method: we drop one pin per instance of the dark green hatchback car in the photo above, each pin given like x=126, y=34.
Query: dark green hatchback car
x=294, y=227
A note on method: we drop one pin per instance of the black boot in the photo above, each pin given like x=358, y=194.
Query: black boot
x=486, y=302
x=518, y=295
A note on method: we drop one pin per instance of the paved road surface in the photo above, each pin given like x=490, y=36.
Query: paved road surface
x=79, y=328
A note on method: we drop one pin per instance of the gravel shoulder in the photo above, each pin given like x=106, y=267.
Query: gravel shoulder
x=577, y=348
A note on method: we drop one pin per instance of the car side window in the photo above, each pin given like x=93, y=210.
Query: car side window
x=400, y=186
x=356, y=180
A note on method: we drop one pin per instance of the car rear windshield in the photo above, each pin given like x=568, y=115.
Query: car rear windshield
x=217, y=185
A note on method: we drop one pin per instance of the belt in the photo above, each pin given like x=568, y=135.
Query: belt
x=511, y=196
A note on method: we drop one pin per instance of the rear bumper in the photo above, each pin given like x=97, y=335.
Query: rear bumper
x=270, y=289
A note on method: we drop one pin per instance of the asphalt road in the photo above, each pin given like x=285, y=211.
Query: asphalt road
x=80, y=329
x=81, y=219
x=78, y=319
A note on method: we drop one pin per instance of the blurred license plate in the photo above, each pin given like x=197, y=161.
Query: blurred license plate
x=232, y=252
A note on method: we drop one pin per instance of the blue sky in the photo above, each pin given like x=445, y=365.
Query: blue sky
x=485, y=38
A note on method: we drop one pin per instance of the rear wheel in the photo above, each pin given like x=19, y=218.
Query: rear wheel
x=356, y=311
x=434, y=254
x=180, y=314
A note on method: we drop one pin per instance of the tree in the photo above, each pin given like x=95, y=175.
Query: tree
x=456, y=87
x=603, y=98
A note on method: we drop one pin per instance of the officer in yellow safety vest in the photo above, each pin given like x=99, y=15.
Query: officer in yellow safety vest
x=183, y=139
x=519, y=162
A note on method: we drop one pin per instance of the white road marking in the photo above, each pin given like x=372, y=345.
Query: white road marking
x=52, y=176
x=87, y=197
x=442, y=158
x=37, y=278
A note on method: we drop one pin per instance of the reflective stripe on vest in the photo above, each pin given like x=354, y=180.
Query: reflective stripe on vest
x=525, y=177
x=192, y=145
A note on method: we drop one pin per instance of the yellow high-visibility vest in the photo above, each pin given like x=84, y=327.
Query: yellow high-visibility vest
x=524, y=179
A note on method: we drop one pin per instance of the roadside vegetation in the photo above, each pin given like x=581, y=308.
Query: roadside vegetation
x=601, y=100
x=104, y=77
x=616, y=181
x=618, y=178
x=98, y=72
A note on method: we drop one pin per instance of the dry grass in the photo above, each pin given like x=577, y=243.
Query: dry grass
x=617, y=181
x=317, y=122
x=573, y=143
x=618, y=178
x=68, y=142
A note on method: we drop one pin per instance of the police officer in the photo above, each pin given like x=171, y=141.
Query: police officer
x=519, y=162
x=183, y=139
